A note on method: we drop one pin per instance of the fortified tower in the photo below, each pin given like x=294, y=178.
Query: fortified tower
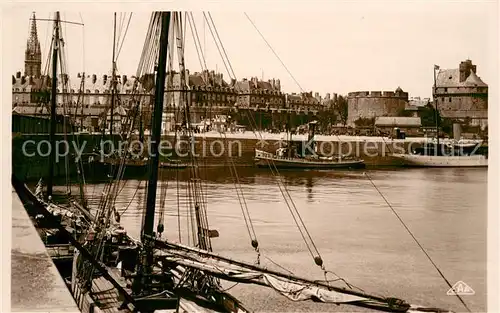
x=33, y=54
x=460, y=94
x=371, y=104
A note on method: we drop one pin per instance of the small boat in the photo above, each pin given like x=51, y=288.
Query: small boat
x=129, y=162
x=295, y=155
x=265, y=159
x=443, y=155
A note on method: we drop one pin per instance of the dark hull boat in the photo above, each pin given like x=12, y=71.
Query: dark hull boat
x=103, y=169
x=265, y=159
x=297, y=155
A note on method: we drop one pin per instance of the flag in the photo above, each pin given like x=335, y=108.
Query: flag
x=436, y=67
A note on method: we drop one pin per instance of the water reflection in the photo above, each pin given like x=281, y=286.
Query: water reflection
x=355, y=231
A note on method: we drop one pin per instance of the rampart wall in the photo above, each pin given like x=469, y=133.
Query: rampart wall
x=370, y=104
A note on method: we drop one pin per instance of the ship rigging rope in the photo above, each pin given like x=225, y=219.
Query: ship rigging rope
x=276, y=54
x=47, y=36
x=196, y=39
x=415, y=239
x=282, y=187
x=65, y=99
x=195, y=188
x=231, y=73
x=123, y=40
x=234, y=173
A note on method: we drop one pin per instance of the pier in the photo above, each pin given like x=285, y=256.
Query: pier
x=36, y=285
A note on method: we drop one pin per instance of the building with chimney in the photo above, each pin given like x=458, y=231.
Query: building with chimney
x=87, y=97
x=461, y=95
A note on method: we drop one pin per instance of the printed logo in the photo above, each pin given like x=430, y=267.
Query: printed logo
x=462, y=289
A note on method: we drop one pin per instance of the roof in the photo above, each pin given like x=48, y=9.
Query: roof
x=398, y=121
x=418, y=102
x=451, y=78
x=474, y=80
x=29, y=83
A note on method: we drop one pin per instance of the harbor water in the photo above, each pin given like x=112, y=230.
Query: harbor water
x=357, y=234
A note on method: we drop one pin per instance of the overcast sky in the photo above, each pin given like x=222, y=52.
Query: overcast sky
x=339, y=47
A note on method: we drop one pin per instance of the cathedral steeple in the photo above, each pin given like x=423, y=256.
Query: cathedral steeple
x=33, y=54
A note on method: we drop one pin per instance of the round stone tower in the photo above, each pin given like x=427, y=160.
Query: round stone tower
x=370, y=104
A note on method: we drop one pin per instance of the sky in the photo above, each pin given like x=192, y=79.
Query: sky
x=336, y=48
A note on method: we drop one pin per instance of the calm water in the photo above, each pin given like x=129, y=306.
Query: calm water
x=357, y=234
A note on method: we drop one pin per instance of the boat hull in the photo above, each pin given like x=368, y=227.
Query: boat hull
x=103, y=169
x=442, y=161
x=263, y=159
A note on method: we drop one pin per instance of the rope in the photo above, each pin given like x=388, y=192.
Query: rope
x=133, y=196
x=284, y=191
x=125, y=34
x=272, y=49
x=415, y=239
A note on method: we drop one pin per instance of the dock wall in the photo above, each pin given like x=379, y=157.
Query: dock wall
x=30, y=159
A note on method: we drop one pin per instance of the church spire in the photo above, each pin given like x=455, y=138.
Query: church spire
x=33, y=55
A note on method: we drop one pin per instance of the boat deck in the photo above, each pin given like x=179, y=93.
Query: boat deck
x=106, y=296
x=36, y=284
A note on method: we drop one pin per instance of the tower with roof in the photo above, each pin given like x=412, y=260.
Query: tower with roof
x=33, y=54
x=460, y=94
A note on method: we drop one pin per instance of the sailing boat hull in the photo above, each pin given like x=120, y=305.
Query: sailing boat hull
x=102, y=169
x=417, y=160
x=264, y=159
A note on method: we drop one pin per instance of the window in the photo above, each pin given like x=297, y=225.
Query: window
x=445, y=89
x=442, y=99
x=449, y=99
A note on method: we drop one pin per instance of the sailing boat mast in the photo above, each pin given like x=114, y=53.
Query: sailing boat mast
x=53, y=99
x=436, y=114
x=113, y=84
x=156, y=127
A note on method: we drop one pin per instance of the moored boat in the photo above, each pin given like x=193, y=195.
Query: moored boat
x=444, y=154
x=266, y=159
x=297, y=155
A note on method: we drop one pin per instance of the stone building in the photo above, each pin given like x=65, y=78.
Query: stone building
x=33, y=53
x=207, y=95
x=87, y=97
x=460, y=94
x=409, y=125
x=258, y=94
x=371, y=104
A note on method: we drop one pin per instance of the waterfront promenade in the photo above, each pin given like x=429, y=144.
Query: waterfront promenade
x=36, y=285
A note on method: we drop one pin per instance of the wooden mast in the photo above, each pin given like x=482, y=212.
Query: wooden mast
x=436, y=113
x=53, y=99
x=113, y=84
x=156, y=126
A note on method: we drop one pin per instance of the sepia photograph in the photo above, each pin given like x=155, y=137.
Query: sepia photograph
x=279, y=156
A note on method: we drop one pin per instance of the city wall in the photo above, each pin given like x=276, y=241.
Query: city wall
x=211, y=151
x=370, y=104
